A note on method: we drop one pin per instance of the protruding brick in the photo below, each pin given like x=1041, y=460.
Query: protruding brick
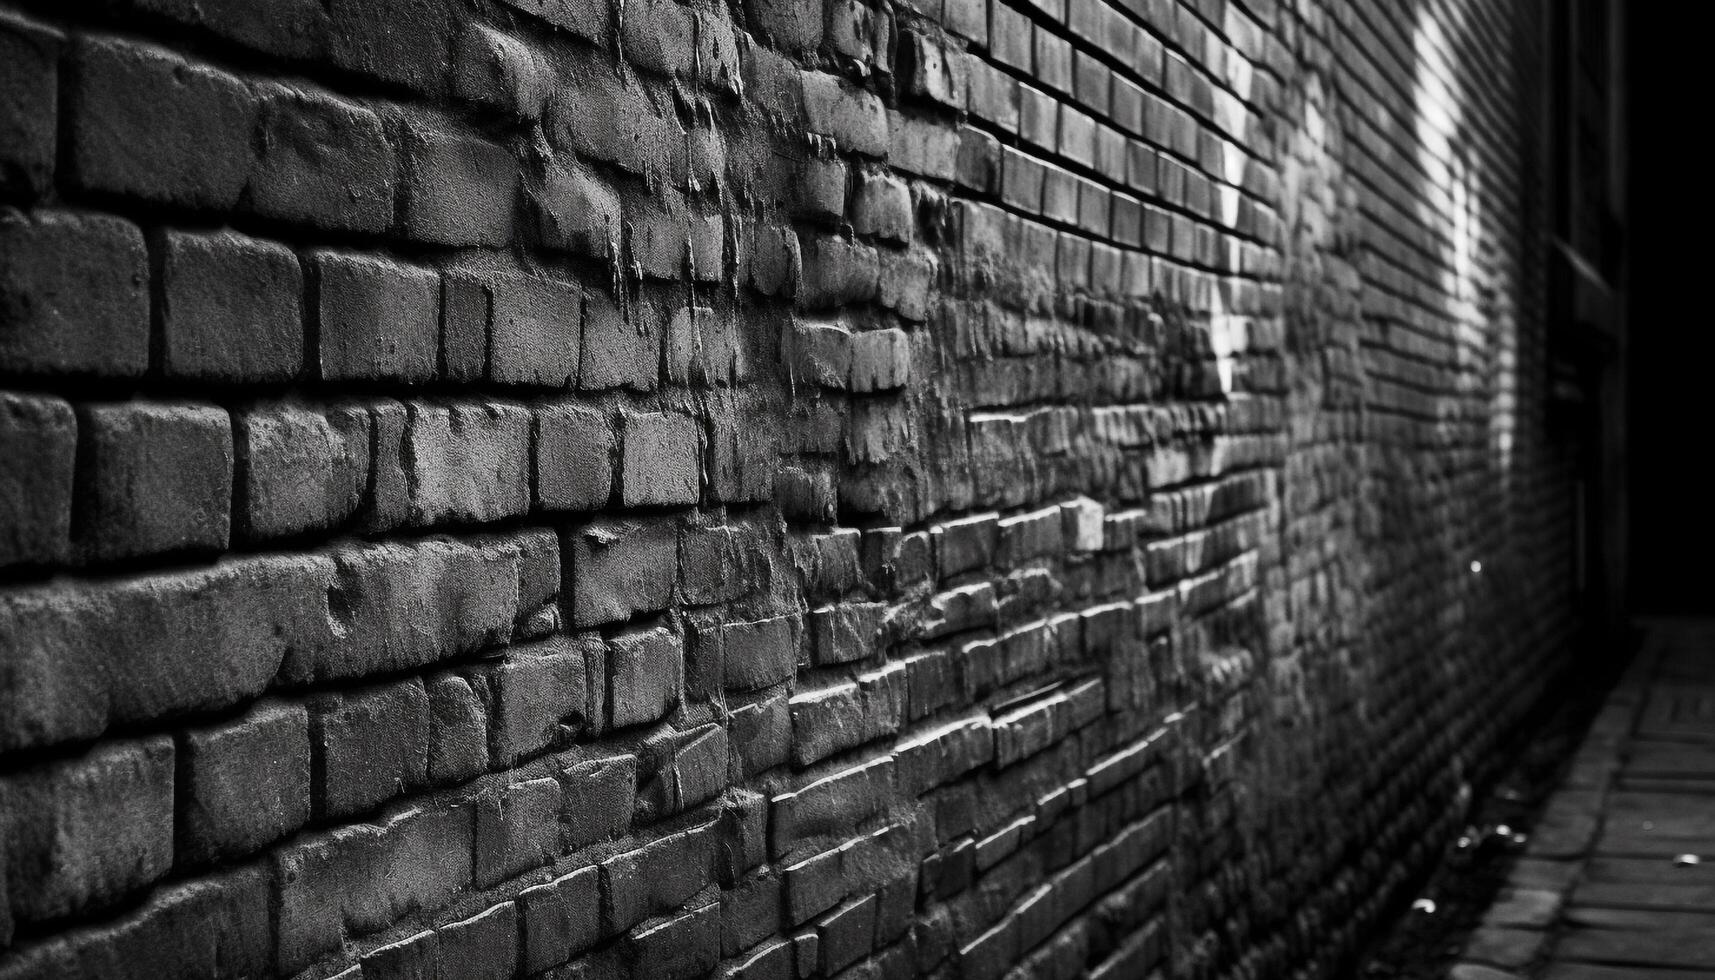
x=146, y=123
x=243, y=784
x=378, y=319
x=158, y=479
x=89, y=829
x=74, y=295
x=38, y=436
x=576, y=211
x=458, y=729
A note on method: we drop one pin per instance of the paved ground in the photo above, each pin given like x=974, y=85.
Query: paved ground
x=1618, y=880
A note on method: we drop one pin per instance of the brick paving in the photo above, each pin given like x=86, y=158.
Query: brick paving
x=1618, y=881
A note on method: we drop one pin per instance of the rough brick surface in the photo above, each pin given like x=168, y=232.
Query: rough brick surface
x=772, y=489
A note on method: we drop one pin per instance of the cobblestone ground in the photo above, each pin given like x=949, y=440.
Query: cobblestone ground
x=1618, y=880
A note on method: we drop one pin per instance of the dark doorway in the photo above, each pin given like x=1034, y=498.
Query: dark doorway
x=1671, y=340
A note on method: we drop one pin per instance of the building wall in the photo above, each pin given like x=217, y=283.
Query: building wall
x=945, y=487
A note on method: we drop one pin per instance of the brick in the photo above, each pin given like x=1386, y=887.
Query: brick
x=599, y=798
x=701, y=347
x=321, y=161
x=791, y=26
x=821, y=190
x=90, y=829
x=656, y=878
x=1009, y=37
x=535, y=330
x=229, y=308
x=404, y=43
x=602, y=116
x=458, y=729
x=482, y=947
x=881, y=360
x=408, y=605
x=31, y=56
x=658, y=36
x=73, y=294
x=855, y=119
x=830, y=805
x=645, y=674
x=589, y=19
x=146, y=123
x=467, y=462
x=500, y=71
x=242, y=785
x=751, y=655
x=300, y=468
x=619, y=568
x=560, y=919
x=575, y=210
x=679, y=948
x=921, y=146
x=377, y=319
x=621, y=347
x=760, y=735
x=882, y=208
x=517, y=828
x=540, y=694
x=689, y=768
x=574, y=465
x=39, y=437
x=368, y=746
x=661, y=460
x=458, y=189
x=412, y=958
x=837, y=273
x=203, y=928
x=846, y=632
x=935, y=73
x=158, y=478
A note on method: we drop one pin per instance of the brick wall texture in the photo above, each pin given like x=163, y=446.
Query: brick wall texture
x=766, y=488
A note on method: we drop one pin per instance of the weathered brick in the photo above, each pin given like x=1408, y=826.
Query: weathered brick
x=687, y=768
x=655, y=878
x=601, y=115
x=645, y=673
x=661, y=460
x=216, y=288
x=242, y=785
x=482, y=947
x=300, y=468
x=560, y=919
x=589, y=19
x=538, y=691
x=377, y=319
x=368, y=746
x=321, y=161
x=679, y=948
x=467, y=462
x=702, y=347
x=534, y=329
x=90, y=829
x=458, y=189
x=599, y=797
x=458, y=729
x=854, y=118
x=30, y=54
x=517, y=828
x=500, y=71
x=202, y=928
x=619, y=568
x=793, y=26
x=73, y=295
x=574, y=449
x=158, y=478
x=406, y=43
x=407, y=605
x=621, y=348
x=575, y=210
x=39, y=437
x=146, y=123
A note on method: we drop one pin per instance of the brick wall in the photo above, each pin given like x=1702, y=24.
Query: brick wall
x=960, y=488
